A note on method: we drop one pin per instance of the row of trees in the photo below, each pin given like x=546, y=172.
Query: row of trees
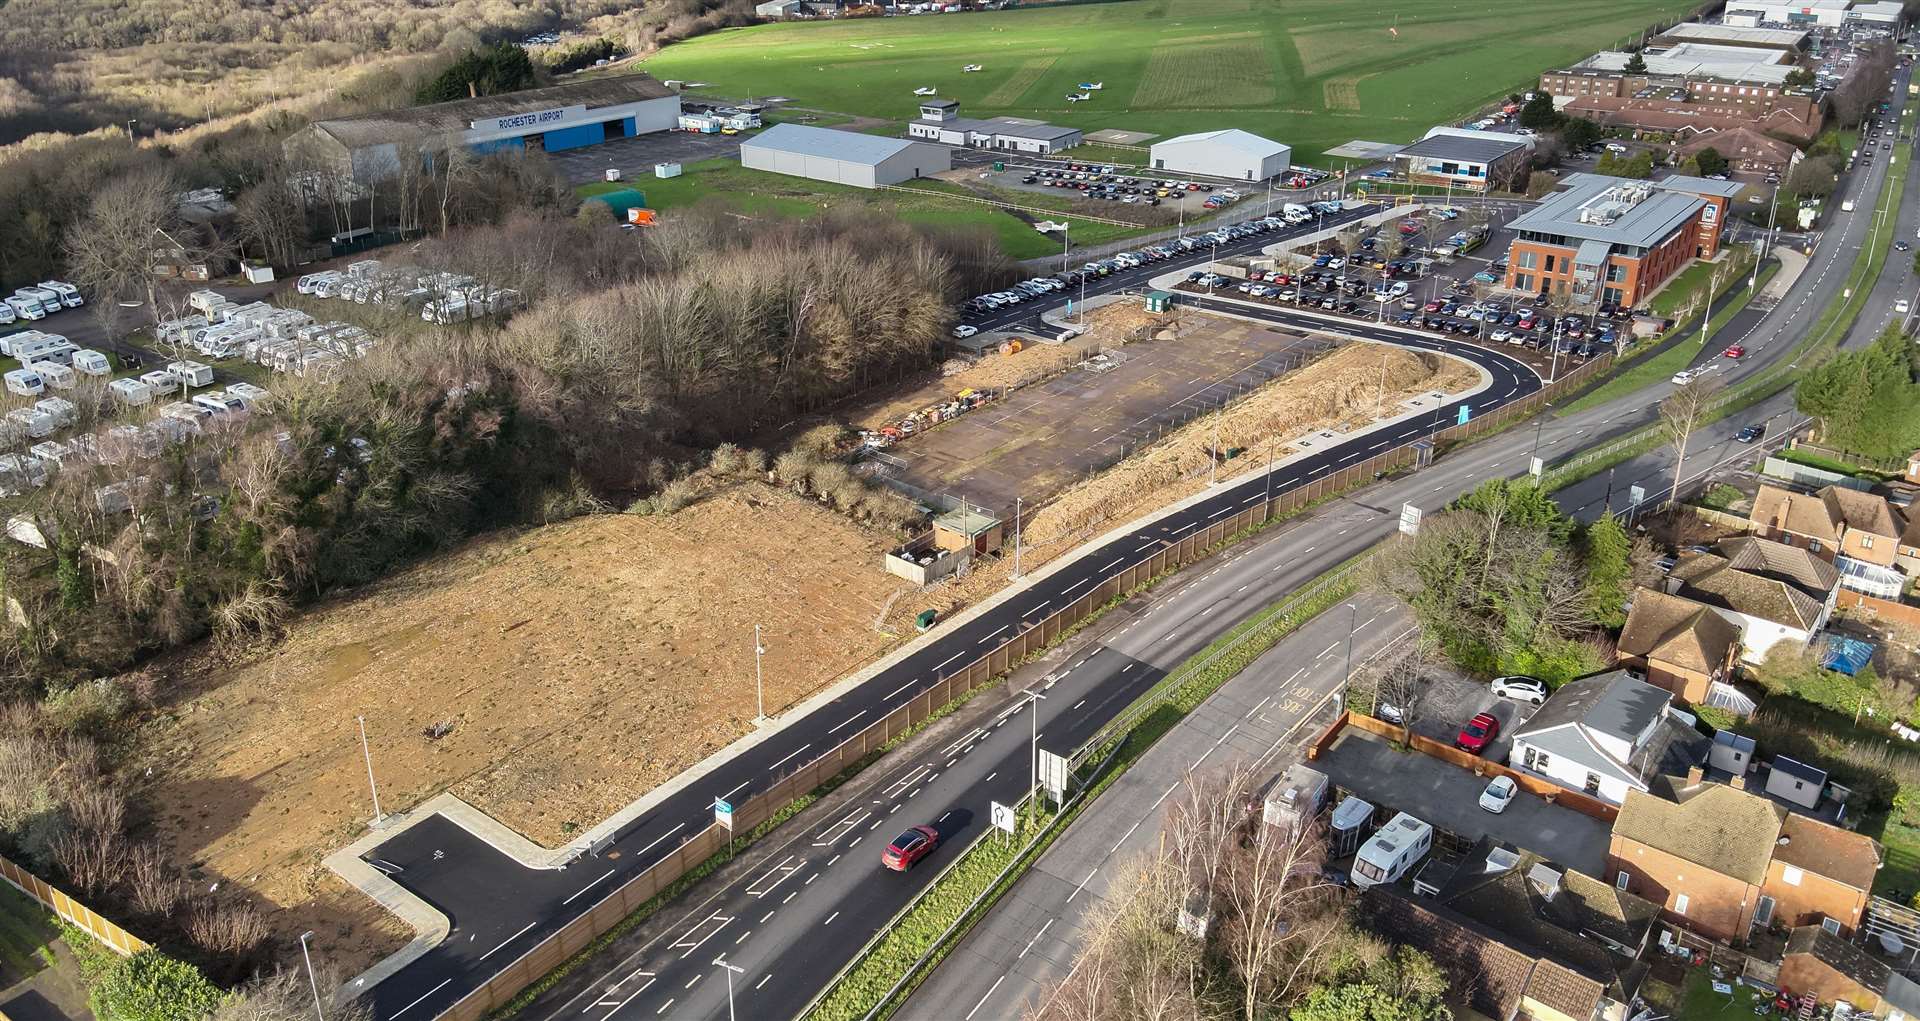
x=1866, y=401
x=1235, y=919
x=1504, y=582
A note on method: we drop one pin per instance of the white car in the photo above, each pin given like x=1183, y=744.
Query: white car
x=1520, y=688
x=1336, y=263
x=963, y=332
x=1901, y=307
x=1499, y=794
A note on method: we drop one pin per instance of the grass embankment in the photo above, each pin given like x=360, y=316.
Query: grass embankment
x=994, y=863
x=1313, y=73
x=760, y=192
x=27, y=933
x=1663, y=365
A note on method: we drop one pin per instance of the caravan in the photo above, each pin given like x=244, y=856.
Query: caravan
x=1392, y=852
x=191, y=373
x=91, y=362
x=54, y=375
x=130, y=392
x=25, y=383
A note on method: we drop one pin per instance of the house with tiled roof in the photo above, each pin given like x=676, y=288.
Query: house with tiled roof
x=1744, y=148
x=1859, y=532
x=1677, y=644
x=1771, y=591
x=1605, y=734
x=1723, y=861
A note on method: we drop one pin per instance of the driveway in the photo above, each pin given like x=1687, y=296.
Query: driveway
x=1454, y=698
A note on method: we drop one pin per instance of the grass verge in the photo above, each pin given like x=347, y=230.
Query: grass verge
x=1665, y=363
x=973, y=884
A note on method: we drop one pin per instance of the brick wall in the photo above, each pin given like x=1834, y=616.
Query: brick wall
x=1717, y=906
x=1814, y=898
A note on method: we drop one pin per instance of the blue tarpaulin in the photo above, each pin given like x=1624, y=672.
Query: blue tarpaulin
x=1846, y=655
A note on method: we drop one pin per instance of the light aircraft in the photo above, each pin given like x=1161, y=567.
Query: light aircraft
x=1093, y=86
x=972, y=67
x=926, y=90
x=1078, y=97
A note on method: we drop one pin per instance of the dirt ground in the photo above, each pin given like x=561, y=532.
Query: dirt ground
x=582, y=665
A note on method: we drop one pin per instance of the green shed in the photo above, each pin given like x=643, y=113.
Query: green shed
x=621, y=201
x=1159, y=301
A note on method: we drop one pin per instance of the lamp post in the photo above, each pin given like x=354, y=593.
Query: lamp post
x=759, y=679
x=1063, y=250
x=721, y=962
x=1034, y=699
x=304, y=937
x=1016, y=538
x=367, y=753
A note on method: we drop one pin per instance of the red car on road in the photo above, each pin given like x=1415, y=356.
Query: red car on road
x=909, y=847
x=1736, y=351
x=1478, y=733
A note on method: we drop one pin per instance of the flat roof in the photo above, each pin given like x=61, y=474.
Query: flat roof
x=828, y=143
x=1640, y=220
x=1456, y=147
x=1699, y=60
x=1699, y=185
x=458, y=115
x=1360, y=149
x=1785, y=38
x=1014, y=128
x=1448, y=797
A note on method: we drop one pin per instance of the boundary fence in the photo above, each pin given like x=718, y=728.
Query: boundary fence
x=622, y=900
x=1043, y=212
x=111, y=936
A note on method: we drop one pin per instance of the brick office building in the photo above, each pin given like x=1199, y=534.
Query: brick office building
x=1689, y=87
x=1614, y=241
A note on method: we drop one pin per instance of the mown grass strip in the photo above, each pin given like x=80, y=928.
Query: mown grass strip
x=993, y=864
x=1665, y=363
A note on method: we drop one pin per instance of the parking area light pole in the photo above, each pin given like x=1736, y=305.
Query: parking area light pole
x=367, y=753
x=721, y=962
x=759, y=679
x=311, y=982
x=1034, y=698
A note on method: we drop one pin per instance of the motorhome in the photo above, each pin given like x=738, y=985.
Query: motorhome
x=68, y=294
x=1392, y=852
x=7, y=314
x=26, y=308
x=49, y=301
x=91, y=362
x=25, y=382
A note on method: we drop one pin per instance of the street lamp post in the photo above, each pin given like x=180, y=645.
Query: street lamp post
x=367, y=753
x=721, y=962
x=759, y=679
x=1016, y=538
x=317, y=1012
x=1353, y=615
x=1034, y=698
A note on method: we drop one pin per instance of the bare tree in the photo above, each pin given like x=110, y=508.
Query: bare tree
x=1397, y=679
x=1680, y=414
x=118, y=247
x=286, y=995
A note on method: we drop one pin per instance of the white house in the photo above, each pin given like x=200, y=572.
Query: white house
x=1772, y=591
x=1232, y=153
x=1603, y=735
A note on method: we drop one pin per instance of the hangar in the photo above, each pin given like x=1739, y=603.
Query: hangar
x=842, y=157
x=1231, y=153
x=552, y=119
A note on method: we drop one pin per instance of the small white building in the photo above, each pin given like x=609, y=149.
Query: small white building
x=1230, y=153
x=842, y=157
x=1796, y=781
x=1602, y=735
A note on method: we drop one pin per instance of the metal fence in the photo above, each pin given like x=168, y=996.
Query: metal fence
x=111, y=936
x=1195, y=544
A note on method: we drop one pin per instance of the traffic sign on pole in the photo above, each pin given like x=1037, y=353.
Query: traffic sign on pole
x=723, y=813
x=1002, y=816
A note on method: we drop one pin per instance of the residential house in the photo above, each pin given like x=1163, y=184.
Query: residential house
x=1860, y=533
x=1819, y=962
x=1745, y=149
x=1677, y=644
x=1721, y=860
x=1606, y=734
x=1521, y=937
x=1772, y=592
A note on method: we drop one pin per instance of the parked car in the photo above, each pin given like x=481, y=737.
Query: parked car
x=963, y=332
x=1478, y=733
x=1750, y=433
x=1667, y=562
x=1499, y=794
x=1521, y=688
x=909, y=847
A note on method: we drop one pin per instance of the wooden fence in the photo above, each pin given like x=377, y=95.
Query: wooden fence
x=111, y=936
x=1195, y=544
x=1551, y=792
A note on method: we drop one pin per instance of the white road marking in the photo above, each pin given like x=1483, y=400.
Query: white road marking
x=949, y=659
x=830, y=918
x=763, y=981
x=423, y=996
x=991, y=637
x=1035, y=939
x=856, y=716
x=903, y=687
x=663, y=1008
x=798, y=750
x=983, y=999
x=580, y=891
x=642, y=852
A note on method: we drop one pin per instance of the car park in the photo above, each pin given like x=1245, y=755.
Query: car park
x=909, y=847
x=1499, y=794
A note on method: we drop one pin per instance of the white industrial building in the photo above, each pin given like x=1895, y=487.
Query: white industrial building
x=940, y=121
x=842, y=157
x=1823, y=13
x=1232, y=153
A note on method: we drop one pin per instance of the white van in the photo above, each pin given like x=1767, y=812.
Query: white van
x=1392, y=851
x=131, y=392
x=25, y=382
x=26, y=308
x=91, y=362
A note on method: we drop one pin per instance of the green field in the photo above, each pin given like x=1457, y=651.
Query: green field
x=756, y=191
x=1311, y=73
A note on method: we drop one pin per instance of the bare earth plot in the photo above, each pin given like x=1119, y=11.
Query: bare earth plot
x=1043, y=438
x=583, y=664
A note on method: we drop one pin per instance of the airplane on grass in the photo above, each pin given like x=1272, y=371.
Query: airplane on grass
x=926, y=90
x=1093, y=86
x=972, y=67
x=1079, y=97
x=1050, y=226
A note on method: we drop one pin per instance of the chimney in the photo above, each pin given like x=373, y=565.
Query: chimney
x=1694, y=775
x=473, y=91
x=1739, y=782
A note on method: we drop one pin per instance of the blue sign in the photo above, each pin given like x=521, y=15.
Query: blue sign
x=1466, y=412
x=722, y=813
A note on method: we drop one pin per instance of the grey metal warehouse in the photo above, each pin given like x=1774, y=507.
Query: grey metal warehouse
x=1233, y=153
x=559, y=117
x=842, y=157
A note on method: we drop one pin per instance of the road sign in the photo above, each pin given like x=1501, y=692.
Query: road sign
x=1636, y=496
x=1053, y=775
x=1409, y=519
x=1466, y=412
x=1002, y=816
x=723, y=812
x=1537, y=467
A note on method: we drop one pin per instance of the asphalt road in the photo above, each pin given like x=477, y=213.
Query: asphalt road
x=497, y=909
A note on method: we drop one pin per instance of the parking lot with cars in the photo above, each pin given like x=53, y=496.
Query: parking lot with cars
x=1106, y=182
x=1452, y=701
